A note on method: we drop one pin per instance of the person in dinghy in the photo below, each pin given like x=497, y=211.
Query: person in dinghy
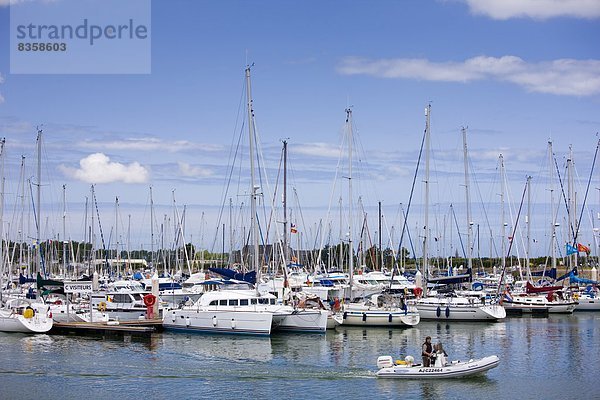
x=427, y=352
x=440, y=356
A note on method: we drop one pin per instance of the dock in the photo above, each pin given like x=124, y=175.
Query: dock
x=144, y=327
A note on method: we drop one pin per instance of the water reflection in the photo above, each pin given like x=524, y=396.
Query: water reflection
x=556, y=351
x=219, y=347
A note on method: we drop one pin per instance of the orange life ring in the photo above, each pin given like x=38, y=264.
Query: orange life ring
x=149, y=300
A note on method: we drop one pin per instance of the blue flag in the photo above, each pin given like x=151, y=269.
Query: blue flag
x=571, y=249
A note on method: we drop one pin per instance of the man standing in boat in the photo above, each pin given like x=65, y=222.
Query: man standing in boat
x=427, y=352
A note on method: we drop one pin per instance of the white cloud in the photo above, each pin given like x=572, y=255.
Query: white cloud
x=537, y=9
x=561, y=77
x=326, y=150
x=97, y=168
x=188, y=170
x=6, y=3
x=149, y=144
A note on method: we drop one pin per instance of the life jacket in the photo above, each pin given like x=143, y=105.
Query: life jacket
x=428, y=349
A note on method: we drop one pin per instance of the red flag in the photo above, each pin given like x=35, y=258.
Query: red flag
x=582, y=247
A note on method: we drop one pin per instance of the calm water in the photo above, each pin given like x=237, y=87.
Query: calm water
x=553, y=357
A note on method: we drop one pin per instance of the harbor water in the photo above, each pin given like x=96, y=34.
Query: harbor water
x=540, y=357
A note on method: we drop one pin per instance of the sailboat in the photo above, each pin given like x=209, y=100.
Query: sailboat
x=242, y=309
x=524, y=297
x=228, y=310
x=18, y=314
x=379, y=309
x=452, y=305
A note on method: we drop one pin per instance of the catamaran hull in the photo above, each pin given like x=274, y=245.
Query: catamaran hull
x=456, y=369
x=301, y=321
x=461, y=312
x=232, y=322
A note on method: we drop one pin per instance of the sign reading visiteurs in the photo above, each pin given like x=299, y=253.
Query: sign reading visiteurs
x=82, y=287
x=80, y=37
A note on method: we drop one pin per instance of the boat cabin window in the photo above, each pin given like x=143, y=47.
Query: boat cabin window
x=121, y=298
x=214, y=303
x=222, y=302
x=233, y=302
x=272, y=301
x=243, y=302
x=263, y=301
x=253, y=301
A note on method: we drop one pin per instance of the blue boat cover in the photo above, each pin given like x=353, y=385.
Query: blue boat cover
x=249, y=277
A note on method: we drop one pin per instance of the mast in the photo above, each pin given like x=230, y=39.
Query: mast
x=468, y=200
x=85, y=234
x=128, y=244
x=2, y=143
x=117, y=236
x=528, y=222
x=151, y=228
x=350, y=250
x=38, y=205
x=380, y=248
x=426, y=226
x=92, y=230
x=502, y=216
x=64, y=228
x=22, y=220
x=230, y=231
x=341, y=253
x=572, y=212
x=553, y=220
x=285, y=221
x=253, y=188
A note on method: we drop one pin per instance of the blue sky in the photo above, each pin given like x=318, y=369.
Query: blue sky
x=517, y=73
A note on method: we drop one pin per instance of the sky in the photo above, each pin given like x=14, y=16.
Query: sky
x=515, y=73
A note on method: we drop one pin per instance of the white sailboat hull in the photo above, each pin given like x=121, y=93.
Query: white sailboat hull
x=539, y=304
x=358, y=317
x=588, y=303
x=11, y=322
x=462, y=312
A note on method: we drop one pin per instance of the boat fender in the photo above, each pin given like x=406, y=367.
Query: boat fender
x=364, y=318
x=447, y=311
x=418, y=292
x=214, y=320
x=390, y=318
x=345, y=314
x=102, y=306
x=438, y=312
x=232, y=323
x=187, y=321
